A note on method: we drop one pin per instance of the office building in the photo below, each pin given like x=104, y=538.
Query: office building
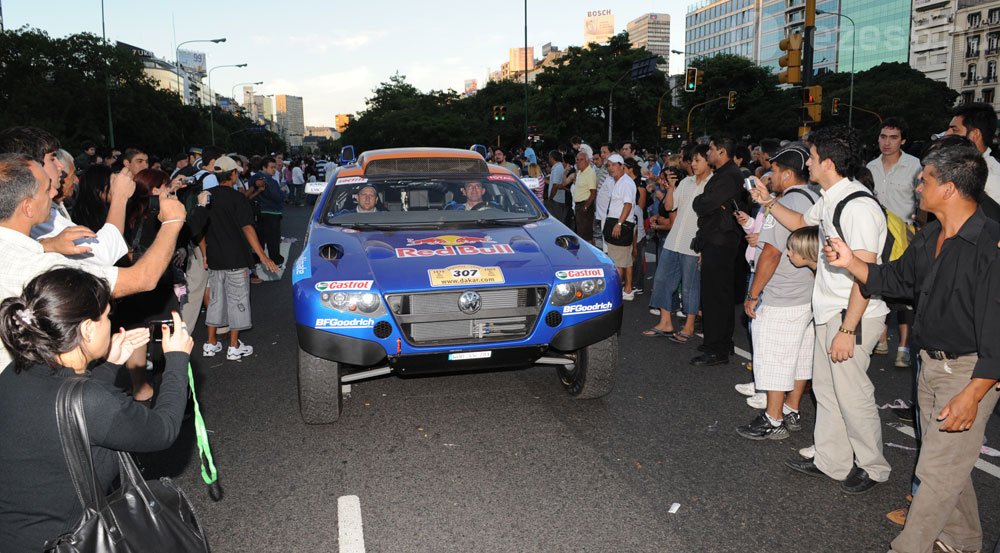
x=722, y=27
x=598, y=27
x=291, y=123
x=882, y=34
x=652, y=32
x=975, y=50
x=930, y=37
x=342, y=120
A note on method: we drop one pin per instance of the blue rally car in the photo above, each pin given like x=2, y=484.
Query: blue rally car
x=428, y=260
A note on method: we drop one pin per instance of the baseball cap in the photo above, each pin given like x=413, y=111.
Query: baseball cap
x=793, y=156
x=616, y=158
x=224, y=164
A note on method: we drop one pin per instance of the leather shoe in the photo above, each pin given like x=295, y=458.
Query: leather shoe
x=709, y=359
x=704, y=349
x=805, y=466
x=857, y=482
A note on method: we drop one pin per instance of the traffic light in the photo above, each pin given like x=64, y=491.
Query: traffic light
x=732, y=100
x=835, y=108
x=792, y=60
x=691, y=79
x=812, y=104
x=496, y=113
x=503, y=113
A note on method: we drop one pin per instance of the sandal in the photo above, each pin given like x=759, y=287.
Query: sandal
x=657, y=333
x=680, y=337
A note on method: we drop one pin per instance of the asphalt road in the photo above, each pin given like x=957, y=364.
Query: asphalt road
x=507, y=461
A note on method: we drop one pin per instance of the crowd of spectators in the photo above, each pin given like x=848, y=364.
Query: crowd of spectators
x=826, y=247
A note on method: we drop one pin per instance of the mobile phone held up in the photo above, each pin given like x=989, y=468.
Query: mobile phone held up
x=154, y=204
x=156, y=329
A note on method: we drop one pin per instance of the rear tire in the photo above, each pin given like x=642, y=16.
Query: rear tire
x=593, y=374
x=319, y=389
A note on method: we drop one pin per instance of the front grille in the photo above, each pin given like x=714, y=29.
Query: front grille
x=434, y=318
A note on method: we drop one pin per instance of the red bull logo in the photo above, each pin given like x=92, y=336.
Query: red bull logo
x=496, y=249
x=449, y=240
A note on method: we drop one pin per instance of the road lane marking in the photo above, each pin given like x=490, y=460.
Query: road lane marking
x=738, y=351
x=350, y=530
x=988, y=468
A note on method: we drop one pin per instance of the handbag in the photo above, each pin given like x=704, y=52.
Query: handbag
x=138, y=516
x=627, y=233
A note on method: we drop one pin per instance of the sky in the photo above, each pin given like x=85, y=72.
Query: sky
x=334, y=53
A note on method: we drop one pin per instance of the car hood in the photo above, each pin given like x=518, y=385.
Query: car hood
x=440, y=259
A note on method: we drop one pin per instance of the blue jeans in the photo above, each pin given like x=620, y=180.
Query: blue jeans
x=675, y=269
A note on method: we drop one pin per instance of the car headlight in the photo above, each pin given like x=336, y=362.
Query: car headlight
x=566, y=293
x=368, y=304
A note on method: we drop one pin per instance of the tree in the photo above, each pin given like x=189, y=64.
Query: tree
x=63, y=85
x=762, y=110
x=890, y=89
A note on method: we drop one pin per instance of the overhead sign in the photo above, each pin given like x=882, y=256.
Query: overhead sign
x=192, y=62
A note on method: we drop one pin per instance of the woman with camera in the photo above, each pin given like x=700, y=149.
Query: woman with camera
x=141, y=226
x=58, y=328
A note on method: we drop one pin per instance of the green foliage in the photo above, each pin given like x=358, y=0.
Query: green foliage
x=890, y=89
x=762, y=110
x=63, y=85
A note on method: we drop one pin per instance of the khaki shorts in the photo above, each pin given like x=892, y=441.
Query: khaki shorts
x=621, y=255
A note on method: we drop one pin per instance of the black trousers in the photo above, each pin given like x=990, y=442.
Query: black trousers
x=718, y=266
x=269, y=228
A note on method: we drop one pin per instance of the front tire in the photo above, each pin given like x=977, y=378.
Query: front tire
x=319, y=389
x=593, y=374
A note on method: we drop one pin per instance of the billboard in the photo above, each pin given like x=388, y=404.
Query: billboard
x=471, y=86
x=192, y=62
x=599, y=26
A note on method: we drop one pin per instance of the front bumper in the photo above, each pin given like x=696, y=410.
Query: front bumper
x=368, y=353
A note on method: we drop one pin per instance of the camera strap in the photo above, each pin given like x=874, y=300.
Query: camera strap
x=208, y=472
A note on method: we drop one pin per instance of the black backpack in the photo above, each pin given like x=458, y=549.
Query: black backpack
x=890, y=240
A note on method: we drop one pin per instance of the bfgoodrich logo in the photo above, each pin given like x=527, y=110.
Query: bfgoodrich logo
x=345, y=323
x=594, y=308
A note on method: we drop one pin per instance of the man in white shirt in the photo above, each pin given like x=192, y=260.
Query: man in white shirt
x=848, y=325
x=556, y=203
x=620, y=202
x=978, y=123
x=298, y=183
x=895, y=175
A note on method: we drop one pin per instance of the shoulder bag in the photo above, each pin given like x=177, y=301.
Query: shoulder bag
x=627, y=232
x=138, y=516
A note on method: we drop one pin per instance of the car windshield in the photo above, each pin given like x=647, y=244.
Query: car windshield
x=430, y=202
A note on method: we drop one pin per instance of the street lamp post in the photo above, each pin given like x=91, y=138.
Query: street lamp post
x=854, y=43
x=177, y=61
x=211, y=98
x=233, y=92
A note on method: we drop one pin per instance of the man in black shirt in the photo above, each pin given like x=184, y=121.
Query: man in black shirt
x=718, y=241
x=229, y=240
x=951, y=273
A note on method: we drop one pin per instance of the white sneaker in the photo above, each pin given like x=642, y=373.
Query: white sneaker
x=757, y=401
x=747, y=389
x=628, y=296
x=654, y=311
x=236, y=353
x=209, y=350
x=808, y=452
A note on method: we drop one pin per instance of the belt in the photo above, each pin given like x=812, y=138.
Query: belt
x=944, y=355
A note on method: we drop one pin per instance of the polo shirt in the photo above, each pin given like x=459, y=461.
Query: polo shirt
x=895, y=189
x=864, y=229
x=586, y=181
x=25, y=259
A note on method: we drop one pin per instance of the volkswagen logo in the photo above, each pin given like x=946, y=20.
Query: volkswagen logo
x=470, y=302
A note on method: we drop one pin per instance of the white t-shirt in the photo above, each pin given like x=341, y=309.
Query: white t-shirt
x=106, y=248
x=622, y=192
x=25, y=259
x=864, y=229
x=298, y=177
x=686, y=223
